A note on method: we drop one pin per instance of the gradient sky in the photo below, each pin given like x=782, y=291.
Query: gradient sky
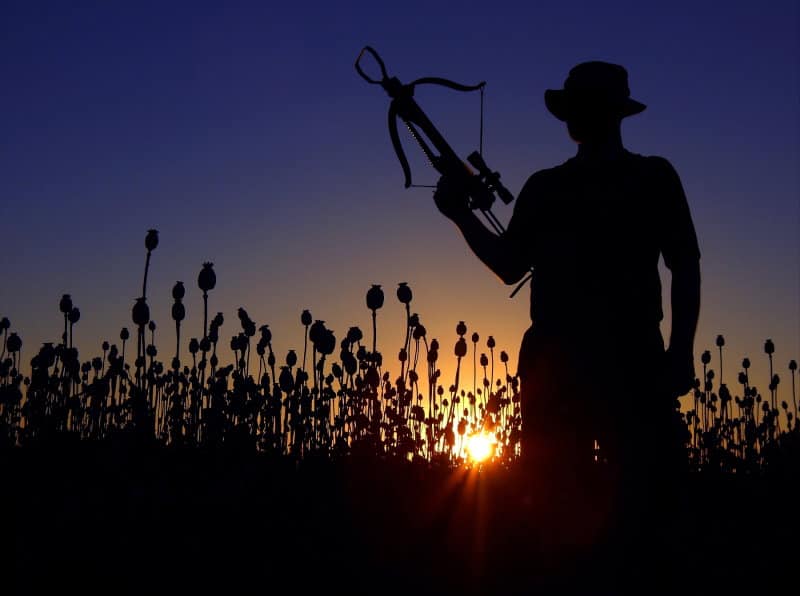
x=242, y=133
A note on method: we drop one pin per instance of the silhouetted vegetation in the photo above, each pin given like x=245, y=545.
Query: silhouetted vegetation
x=340, y=399
x=343, y=470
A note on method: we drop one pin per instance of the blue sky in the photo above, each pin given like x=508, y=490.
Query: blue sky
x=241, y=132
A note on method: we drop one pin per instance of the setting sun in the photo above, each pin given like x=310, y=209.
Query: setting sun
x=480, y=447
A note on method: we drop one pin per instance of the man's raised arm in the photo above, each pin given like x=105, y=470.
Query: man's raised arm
x=498, y=253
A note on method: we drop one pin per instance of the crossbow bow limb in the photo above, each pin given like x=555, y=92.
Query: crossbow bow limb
x=481, y=185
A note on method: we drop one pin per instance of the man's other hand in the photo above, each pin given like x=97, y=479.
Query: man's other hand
x=679, y=371
x=451, y=198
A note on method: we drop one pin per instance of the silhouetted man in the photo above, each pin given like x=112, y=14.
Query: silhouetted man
x=593, y=365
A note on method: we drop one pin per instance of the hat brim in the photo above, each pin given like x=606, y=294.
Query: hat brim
x=562, y=105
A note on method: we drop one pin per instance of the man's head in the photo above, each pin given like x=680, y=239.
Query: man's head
x=593, y=102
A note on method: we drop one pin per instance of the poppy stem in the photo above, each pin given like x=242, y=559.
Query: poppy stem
x=146, y=269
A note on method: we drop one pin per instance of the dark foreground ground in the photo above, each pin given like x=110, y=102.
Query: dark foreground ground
x=111, y=519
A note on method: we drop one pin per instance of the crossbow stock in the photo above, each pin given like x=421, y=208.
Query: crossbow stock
x=482, y=185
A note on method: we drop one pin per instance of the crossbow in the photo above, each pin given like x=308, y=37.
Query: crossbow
x=482, y=185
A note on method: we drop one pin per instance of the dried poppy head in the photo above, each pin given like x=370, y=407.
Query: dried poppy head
x=207, y=279
x=404, y=292
x=374, y=297
x=151, y=240
x=141, y=312
x=65, y=304
x=178, y=312
x=14, y=343
x=178, y=291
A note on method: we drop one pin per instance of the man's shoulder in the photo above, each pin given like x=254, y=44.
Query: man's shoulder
x=550, y=175
x=653, y=164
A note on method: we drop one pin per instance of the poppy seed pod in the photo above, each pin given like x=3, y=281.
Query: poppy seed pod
x=490, y=343
x=742, y=378
x=151, y=325
x=503, y=357
x=350, y=363
x=372, y=377
x=374, y=297
x=434, y=344
x=74, y=315
x=105, y=346
x=124, y=335
x=720, y=341
x=151, y=240
x=769, y=347
x=4, y=324
x=291, y=358
x=141, y=312
x=305, y=318
x=316, y=332
x=14, y=343
x=151, y=351
x=205, y=344
x=266, y=334
x=354, y=335
x=207, y=279
x=178, y=312
x=461, y=328
x=484, y=360
x=792, y=365
x=461, y=347
x=194, y=346
x=419, y=331
x=65, y=304
x=404, y=292
x=413, y=320
x=746, y=363
x=475, y=337
x=327, y=343
x=285, y=380
x=706, y=357
x=218, y=320
x=178, y=291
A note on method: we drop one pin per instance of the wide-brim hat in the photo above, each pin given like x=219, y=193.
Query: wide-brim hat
x=593, y=87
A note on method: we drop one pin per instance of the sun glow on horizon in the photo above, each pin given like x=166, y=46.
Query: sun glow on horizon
x=480, y=447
